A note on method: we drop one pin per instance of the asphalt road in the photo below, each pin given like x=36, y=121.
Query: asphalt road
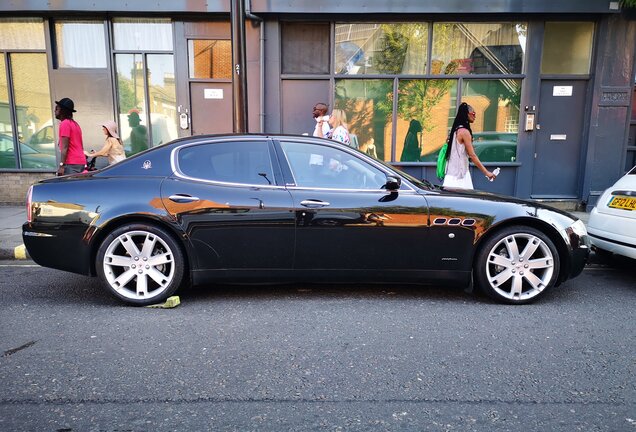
x=345, y=358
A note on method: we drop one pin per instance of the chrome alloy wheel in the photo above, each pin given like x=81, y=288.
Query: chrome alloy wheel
x=139, y=265
x=520, y=266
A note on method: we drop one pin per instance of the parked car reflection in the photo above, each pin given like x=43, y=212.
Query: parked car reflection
x=30, y=157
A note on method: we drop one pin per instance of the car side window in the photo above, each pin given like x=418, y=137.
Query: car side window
x=243, y=162
x=315, y=165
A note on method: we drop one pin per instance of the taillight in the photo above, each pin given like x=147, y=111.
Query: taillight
x=29, y=215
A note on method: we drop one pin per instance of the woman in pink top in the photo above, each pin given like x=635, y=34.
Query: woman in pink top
x=72, y=159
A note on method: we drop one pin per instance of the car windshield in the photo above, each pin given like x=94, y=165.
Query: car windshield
x=633, y=171
x=422, y=184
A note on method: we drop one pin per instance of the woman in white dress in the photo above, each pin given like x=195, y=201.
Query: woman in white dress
x=460, y=149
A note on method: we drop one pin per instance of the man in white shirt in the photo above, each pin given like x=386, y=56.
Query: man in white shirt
x=322, y=119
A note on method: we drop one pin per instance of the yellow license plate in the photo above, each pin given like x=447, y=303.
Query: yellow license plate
x=623, y=202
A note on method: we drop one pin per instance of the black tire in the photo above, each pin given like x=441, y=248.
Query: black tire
x=140, y=264
x=517, y=265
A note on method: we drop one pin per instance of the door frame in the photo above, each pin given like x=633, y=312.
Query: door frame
x=585, y=110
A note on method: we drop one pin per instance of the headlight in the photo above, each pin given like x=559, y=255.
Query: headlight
x=578, y=228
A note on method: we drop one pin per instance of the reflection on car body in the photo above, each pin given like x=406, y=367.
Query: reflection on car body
x=244, y=208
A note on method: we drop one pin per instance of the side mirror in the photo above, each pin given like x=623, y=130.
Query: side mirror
x=392, y=183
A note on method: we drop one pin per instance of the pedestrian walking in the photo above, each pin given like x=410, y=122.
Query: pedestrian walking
x=460, y=149
x=322, y=119
x=113, y=147
x=72, y=158
x=339, y=130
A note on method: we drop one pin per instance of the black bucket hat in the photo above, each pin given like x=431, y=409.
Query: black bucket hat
x=66, y=103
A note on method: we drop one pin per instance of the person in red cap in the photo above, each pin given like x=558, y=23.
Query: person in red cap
x=72, y=159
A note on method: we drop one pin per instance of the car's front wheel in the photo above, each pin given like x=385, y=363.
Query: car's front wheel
x=517, y=265
x=140, y=264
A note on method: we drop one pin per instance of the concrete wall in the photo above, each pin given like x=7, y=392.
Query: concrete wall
x=14, y=185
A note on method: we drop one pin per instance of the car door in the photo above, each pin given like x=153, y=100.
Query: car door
x=344, y=219
x=225, y=196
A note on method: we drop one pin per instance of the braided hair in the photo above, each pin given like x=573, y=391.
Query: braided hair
x=461, y=120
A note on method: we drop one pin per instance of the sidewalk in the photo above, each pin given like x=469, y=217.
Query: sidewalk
x=12, y=218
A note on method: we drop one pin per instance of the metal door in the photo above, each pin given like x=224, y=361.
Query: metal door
x=204, y=71
x=211, y=104
x=559, y=139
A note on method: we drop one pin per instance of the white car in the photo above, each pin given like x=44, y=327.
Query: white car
x=612, y=224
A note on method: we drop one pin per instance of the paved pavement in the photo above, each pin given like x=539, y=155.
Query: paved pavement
x=12, y=218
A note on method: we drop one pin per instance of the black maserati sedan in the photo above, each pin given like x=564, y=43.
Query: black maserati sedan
x=265, y=208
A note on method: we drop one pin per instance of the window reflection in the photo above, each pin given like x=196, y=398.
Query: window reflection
x=567, y=48
x=478, y=48
x=80, y=44
x=327, y=167
x=33, y=109
x=22, y=33
x=162, y=98
x=368, y=105
x=210, y=59
x=131, y=98
x=395, y=48
x=142, y=34
x=426, y=109
x=497, y=123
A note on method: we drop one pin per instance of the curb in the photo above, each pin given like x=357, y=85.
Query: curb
x=17, y=253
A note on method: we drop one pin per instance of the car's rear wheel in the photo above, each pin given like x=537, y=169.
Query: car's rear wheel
x=140, y=264
x=517, y=265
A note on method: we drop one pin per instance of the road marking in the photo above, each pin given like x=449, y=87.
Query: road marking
x=19, y=265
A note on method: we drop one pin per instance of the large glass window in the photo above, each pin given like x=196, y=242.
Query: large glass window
x=396, y=48
x=22, y=34
x=496, y=125
x=33, y=102
x=478, y=48
x=27, y=115
x=132, y=102
x=369, y=107
x=80, y=44
x=426, y=108
x=305, y=48
x=210, y=59
x=134, y=34
x=567, y=48
x=145, y=83
x=162, y=98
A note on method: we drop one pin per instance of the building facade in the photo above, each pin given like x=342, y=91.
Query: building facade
x=552, y=81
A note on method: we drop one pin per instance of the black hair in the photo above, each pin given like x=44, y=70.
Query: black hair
x=461, y=120
x=66, y=113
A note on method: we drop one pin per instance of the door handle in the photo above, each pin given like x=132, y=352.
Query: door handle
x=314, y=203
x=183, y=198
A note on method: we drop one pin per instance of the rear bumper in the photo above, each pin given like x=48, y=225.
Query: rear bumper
x=62, y=249
x=613, y=233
